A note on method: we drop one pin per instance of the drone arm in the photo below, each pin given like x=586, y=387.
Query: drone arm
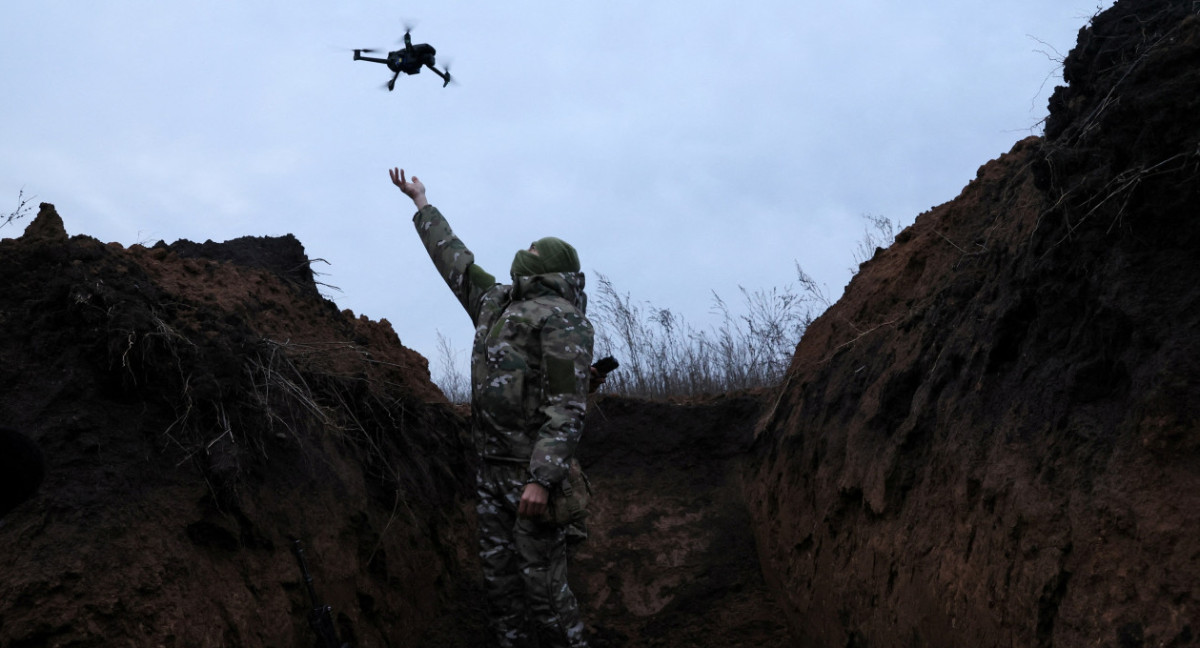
x=445, y=75
x=360, y=57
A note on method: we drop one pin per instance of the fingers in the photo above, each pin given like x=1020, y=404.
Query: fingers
x=397, y=178
x=528, y=509
x=533, y=500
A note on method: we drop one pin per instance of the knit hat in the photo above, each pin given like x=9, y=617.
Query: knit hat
x=553, y=255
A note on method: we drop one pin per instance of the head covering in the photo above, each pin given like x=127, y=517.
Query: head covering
x=553, y=255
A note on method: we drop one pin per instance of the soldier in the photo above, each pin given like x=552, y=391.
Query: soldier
x=530, y=373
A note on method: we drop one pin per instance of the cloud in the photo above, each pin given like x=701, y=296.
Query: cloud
x=683, y=151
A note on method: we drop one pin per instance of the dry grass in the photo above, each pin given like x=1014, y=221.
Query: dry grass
x=662, y=355
x=22, y=210
x=452, y=381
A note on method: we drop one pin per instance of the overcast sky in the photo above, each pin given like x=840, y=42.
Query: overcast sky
x=683, y=147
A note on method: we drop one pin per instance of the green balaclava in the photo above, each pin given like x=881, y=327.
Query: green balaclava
x=553, y=255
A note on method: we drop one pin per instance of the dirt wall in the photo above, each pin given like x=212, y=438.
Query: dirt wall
x=671, y=559
x=198, y=406
x=992, y=439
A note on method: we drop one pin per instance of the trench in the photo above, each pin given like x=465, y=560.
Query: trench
x=671, y=559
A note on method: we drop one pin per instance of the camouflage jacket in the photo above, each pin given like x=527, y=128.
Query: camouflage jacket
x=530, y=359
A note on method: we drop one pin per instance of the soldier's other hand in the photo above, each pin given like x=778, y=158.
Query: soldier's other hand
x=597, y=379
x=533, y=500
x=412, y=188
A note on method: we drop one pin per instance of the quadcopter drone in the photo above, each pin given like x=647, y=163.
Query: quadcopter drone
x=408, y=60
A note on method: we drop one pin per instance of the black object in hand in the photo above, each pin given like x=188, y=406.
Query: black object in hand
x=605, y=365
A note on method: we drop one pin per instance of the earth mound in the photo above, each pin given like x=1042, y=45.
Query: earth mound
x=993, y=438
x=199, y=406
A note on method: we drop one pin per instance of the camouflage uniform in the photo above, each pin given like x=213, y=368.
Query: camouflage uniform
x=529, y=383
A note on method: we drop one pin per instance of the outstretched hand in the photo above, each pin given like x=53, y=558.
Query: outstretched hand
x=411, y=188
x=595, y=379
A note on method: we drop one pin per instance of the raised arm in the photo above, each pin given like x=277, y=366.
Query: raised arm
x=454, y=262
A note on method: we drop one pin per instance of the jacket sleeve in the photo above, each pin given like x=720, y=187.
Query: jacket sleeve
x=566, y=357
x=454, y=262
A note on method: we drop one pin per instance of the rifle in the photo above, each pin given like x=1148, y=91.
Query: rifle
x=320, y=618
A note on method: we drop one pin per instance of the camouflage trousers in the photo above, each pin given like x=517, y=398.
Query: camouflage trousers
x=524, y=567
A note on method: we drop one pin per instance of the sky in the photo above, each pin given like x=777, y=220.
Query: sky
x=685, y=149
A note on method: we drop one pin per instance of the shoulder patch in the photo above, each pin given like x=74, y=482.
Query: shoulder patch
x=560, y=375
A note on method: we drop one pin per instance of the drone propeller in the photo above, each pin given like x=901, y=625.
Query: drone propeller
x=409, y=26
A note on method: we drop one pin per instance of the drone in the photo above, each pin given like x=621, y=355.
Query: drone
x=409, y=60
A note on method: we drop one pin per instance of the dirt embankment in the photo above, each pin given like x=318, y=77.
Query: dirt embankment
x=198, y=406
x=671, y=559
x=993, y=438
